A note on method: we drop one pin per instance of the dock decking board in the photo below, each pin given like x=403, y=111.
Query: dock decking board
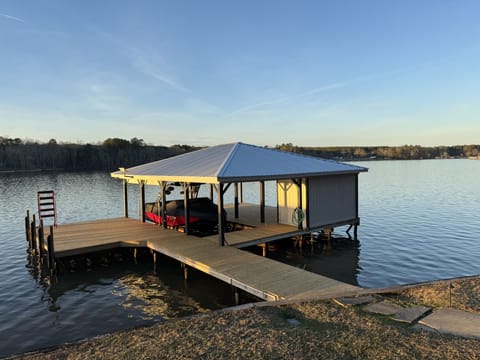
x=262, y=277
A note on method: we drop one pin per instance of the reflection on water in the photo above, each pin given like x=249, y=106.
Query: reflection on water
x=135, y=285
x=92, y=297
x=155, y=299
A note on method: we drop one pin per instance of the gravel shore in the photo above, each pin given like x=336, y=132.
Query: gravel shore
x=317, y=329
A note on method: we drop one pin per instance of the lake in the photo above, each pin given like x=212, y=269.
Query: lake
x=419, y=222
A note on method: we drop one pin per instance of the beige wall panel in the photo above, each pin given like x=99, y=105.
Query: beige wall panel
x=288, y=200
x=331, y=199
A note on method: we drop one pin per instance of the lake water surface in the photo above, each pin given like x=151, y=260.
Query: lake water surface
x=419, y=221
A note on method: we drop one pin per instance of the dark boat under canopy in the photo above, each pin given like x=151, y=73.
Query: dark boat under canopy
x=203, y=212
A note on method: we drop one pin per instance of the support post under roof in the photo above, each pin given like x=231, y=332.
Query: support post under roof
x=163, y=206
x=356, y=195
x=235, y=197
x=298, y=182
x=186, y=197
x=262, y=201
x=125, y=198
x=221, y=218
x=142, y=201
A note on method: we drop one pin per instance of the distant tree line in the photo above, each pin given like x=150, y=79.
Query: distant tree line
x=405, y=152
x=23, y=155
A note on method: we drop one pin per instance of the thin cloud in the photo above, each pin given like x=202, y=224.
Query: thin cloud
x=167, y=80
x=288, y=98
x=149, y=69
x=14, y=18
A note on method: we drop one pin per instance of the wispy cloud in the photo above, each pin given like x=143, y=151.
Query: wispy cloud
x=146, y=67
x=14, y=18
x=144, y=60
x=287, y=98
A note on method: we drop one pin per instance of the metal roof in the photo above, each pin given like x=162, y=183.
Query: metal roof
x=235, y=162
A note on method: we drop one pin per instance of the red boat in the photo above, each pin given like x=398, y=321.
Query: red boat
x=203, y=212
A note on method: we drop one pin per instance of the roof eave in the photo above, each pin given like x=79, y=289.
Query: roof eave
x=229, y=179
x=156, y=179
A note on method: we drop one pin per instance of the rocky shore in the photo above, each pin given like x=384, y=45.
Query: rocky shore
x=313, y=329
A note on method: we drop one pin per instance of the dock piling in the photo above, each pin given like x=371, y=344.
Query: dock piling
x=33, y=228
x=27, y=228
x=51, y=251
x=41, y=240
x=236, y=294
x=185, y=271
x=125, y=198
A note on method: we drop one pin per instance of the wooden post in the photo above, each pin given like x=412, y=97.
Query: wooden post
x=159, y=212
x=33, y=230
x=236, y=293
x=221, y=218
x=235, y=196
x=154, y=253
x=185, y=271
x=241, y=193
x=125, y=198
x=262, y=201
x=186, y=210
x=28, y=232
x=300, y=199
x=135, y=255
x=306, y=204
x=142, y=201
x=51, y=251
x=164, y=205
x=264, y=250
x=211, y=192
x=356, y=196
x=41, y=242
x=27, y=226
x=355, y=226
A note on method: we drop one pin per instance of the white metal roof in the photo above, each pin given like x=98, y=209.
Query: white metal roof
x=235, y=162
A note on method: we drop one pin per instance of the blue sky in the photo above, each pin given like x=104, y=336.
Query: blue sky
x=314, y=73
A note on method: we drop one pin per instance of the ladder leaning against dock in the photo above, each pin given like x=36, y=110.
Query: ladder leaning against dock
x=47, y=206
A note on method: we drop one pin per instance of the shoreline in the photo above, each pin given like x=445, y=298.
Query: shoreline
x=265, y=321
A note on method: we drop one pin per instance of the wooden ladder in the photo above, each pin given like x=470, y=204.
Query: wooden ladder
x=46, y=205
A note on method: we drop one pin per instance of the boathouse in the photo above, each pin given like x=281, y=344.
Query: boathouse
x=312, y=193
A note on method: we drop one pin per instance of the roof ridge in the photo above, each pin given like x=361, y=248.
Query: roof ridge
x=228, y=158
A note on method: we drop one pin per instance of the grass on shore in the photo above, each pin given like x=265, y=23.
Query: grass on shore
x=310, y=330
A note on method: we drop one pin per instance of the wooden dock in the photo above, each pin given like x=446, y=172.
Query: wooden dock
x=257, y=275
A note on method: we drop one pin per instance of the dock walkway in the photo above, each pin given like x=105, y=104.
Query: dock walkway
x=257, y=275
